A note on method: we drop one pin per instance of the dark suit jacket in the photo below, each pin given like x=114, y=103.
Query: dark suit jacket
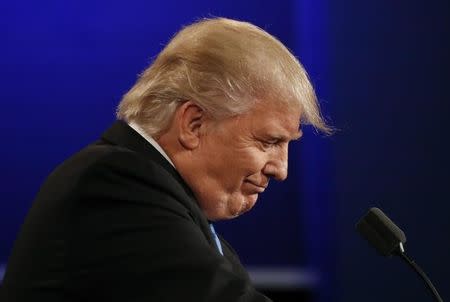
x=116, y=222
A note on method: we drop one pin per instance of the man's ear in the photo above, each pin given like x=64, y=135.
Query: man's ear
x=190, y=117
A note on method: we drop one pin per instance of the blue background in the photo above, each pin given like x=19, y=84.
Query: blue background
x=381, y=70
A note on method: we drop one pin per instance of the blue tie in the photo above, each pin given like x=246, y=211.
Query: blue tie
x=216, y=238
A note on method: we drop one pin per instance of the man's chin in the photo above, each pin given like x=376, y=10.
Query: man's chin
x=248, y=204
x=237, y=208
x=251, y=201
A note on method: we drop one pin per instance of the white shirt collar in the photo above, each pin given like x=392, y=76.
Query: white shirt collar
x=151, y=140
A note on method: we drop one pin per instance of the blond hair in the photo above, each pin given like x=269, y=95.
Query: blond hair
x=224, y=66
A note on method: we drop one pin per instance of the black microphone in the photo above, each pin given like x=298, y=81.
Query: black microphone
x=389, y=239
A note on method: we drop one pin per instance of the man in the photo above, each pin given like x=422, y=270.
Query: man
x=197, y=139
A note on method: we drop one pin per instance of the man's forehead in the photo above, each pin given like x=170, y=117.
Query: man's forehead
x=298, y=135
x=274, y=119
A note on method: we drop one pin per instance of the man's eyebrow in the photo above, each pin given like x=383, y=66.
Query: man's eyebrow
x=283, y=137
x=295, y=137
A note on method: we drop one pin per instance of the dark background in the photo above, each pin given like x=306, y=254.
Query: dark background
x=381, y=70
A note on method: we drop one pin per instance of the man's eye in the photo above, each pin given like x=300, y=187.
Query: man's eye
x=268, y=144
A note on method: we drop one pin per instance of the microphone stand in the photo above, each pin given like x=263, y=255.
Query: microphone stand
x=401, y=252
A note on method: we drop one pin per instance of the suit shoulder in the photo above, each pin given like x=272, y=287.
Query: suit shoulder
x=104, y=158
x=109, y=172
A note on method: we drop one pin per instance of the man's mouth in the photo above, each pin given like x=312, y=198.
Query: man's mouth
x=259, y=188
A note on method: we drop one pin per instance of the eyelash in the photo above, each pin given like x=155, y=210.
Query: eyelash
x=267, y=144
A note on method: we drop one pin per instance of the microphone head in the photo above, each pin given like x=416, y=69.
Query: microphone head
x=381, y=232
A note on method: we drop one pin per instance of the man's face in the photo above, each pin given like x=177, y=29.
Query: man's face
x=236, y=158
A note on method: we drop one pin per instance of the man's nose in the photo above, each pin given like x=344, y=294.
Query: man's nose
x=277, y=167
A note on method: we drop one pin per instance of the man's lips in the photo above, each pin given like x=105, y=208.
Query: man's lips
x=258, y=188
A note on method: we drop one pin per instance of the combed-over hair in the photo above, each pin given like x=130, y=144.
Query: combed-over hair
x=224, y=66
